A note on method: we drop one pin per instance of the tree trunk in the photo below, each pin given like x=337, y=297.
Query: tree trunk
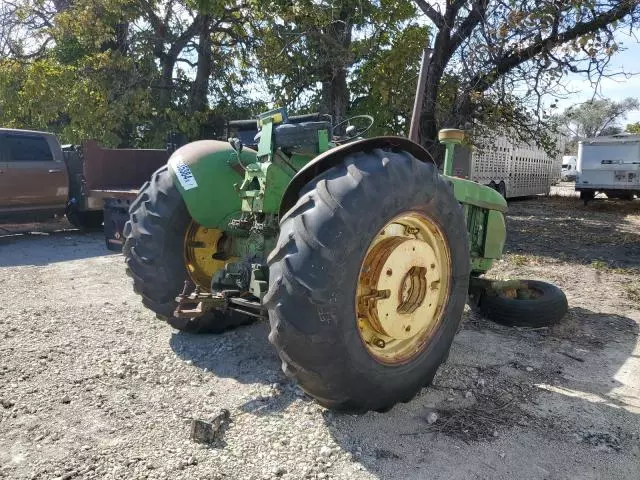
x=428, y=119
x=165, y=86
x=198, y=101
x=335, y=91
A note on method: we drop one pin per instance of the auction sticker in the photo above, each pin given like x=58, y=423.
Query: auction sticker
x=184, y=173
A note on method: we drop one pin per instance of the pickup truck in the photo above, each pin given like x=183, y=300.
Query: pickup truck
x=91, y=185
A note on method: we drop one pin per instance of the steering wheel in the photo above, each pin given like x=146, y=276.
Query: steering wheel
x=359, y=131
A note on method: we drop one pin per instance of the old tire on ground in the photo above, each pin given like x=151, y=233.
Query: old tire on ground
x=545, y=307
x=154, y=254
x=318, y=266
x=85, y=220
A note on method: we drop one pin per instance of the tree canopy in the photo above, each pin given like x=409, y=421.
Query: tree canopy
x=126, y=72
x=597, y=117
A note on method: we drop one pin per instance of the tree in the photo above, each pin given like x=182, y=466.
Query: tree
x=633, y=128
x=597, y=117
x=124, y=72
x=507, y=55
x=312, y=52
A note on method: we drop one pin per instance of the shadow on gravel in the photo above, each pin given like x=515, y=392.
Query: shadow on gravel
x=556, y=386
x=245, y=355
x=564, y=228
x=43, y=248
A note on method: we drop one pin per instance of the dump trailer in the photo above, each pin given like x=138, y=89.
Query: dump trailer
x=108, y=180
x=513, y=169
x=609, y=165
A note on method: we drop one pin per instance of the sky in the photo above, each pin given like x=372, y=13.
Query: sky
x=616, y=89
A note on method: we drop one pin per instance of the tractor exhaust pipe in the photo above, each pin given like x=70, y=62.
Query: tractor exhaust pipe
x=418, y=101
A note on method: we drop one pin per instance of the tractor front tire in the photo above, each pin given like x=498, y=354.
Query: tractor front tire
x=316, y=271
x=154, y=255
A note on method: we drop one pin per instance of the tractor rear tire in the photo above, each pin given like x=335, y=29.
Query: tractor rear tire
x=154, y=255
x=315, y=271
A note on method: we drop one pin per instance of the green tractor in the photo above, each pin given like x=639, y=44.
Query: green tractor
x=358, y=251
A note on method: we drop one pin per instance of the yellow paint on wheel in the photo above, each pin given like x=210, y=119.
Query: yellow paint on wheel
x=200, y=244
x=403, y=287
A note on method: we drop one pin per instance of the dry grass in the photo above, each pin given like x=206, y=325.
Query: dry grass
x=632, y=290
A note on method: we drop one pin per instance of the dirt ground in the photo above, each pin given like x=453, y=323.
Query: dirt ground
x=93, y=386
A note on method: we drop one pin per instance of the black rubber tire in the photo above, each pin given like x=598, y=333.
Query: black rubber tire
x=502, y=190
x=153, y=252
x=88, y=220
x=548, y=309
x=619, y=196
x=314, y=270
x=587, y=195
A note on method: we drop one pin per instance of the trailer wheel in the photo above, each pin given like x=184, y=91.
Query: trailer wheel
x=620, y=196
x=164, y=249
x=502, y=190
x=87, y=220
x=587, y=195
x=368, y=281
x=531, y=304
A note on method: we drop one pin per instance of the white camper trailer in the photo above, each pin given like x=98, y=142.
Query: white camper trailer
x=609, y=165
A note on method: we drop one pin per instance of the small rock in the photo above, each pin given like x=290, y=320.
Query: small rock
x=481, y=382
x=207, y=432
x=325, y=451
x=495, y=433
x=279, y=471
x=66, y=399
x=6, y=403
x=192, y=460
x=468, y=394
x=432, y=418
x=85, y=447
x=529, y=369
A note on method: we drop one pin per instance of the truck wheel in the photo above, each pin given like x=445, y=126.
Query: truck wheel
x=85, y=220
x=587, y=195
x=533, y=304
x=368, y=281
x=620, y=196
x=164, y=248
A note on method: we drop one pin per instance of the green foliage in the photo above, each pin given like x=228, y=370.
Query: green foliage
x=126, y=72
x=383, y=84
x=633, y=128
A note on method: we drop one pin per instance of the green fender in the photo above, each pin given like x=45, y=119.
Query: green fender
x=206, y=173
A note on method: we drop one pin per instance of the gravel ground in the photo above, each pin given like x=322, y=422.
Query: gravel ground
x=93, y=386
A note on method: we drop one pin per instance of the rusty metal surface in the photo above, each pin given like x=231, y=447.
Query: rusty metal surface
x=120, y=169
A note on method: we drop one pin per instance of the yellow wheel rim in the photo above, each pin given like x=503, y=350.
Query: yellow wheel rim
x=200, y=244
x=403, y=287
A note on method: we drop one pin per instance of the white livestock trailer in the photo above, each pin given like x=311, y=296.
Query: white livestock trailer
x=513, y=169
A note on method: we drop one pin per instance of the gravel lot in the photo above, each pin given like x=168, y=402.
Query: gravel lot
x=93, y=386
